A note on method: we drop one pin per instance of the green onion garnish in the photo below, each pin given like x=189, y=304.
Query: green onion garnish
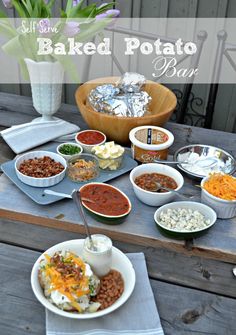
x=69, y=149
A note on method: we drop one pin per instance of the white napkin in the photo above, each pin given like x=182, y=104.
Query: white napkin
x=138, y=315
x=29, y=135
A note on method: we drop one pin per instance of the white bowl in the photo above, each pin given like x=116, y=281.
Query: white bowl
x=224, y=209
x=88, y=147
x=203, y=209
x=152, y=198
x=40, y=182
x=120, y=262
x=67, y=157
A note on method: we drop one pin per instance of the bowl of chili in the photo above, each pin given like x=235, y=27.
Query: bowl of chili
x=106, y=202
x=87, y=139
x=144, y=179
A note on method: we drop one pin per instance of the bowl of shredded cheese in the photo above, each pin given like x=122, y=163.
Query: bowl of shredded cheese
x=219, y=192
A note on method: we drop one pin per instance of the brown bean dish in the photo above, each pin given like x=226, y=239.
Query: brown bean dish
x=111, y=289
x=43, y=167
x=147, y=182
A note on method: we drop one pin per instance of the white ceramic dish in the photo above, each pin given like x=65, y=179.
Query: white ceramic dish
x=203, y=209
x=86, y=147
x=120, y=262
x=152, y=198
x=224, y=209
x=67, y=157
x=40, y=182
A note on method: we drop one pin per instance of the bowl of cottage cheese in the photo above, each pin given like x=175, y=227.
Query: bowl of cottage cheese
x=184, y=219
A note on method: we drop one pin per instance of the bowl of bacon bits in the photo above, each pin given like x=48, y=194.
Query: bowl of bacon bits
x=219, y=192
x=40, y=168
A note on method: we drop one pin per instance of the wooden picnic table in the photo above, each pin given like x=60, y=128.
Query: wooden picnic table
x=192, y=281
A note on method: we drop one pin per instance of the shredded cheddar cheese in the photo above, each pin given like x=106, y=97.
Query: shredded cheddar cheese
x=74, y=283
x=222, y=186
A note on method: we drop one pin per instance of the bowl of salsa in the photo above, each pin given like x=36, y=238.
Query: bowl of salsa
x=107, y=203
x=90, y=138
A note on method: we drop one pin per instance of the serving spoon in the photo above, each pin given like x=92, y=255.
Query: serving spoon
x=64, y=195
x=75, y=195
x=160, y=187
x=78, y=201
x=203, y=163
x=234, y=271
x=58, y=194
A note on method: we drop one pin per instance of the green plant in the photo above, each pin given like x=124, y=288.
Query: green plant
x=77, y=20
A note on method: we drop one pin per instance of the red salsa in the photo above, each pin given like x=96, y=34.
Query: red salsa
x=106, y=200
x=90, y=137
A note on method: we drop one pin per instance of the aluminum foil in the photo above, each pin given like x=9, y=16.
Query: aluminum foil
x=131, y=82
x=124, y=99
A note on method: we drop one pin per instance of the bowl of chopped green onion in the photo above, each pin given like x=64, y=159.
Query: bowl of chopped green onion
x=68, y=150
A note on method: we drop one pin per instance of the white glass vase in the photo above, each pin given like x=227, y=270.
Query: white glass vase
x=46, y=85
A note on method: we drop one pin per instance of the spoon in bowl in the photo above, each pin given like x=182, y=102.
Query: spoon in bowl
x=160, y=187
x=64, y=195
x=205, y=163
x=78, y=201
x=234, y=271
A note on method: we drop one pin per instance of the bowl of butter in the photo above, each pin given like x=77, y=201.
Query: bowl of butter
x=109, y=155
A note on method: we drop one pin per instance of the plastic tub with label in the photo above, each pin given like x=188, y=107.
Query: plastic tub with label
x=150, y=143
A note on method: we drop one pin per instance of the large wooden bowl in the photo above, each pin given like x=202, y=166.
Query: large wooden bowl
x=117, y=128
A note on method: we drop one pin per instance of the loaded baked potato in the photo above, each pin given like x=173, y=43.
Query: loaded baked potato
x=68, y=282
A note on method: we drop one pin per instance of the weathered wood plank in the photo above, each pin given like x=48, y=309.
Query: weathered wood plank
x=125, y=7
x=15, y=109
x=194, y=272
x=185, y=8
x=20, y=208
x=154, y=8
x=139, y=227
x=190, y=312
x=186, y=135
x=212, y=8
x=6, y=153
x=21, y=313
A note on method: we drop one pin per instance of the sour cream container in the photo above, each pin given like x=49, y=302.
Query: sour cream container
x=149, y=143
x=101, y=259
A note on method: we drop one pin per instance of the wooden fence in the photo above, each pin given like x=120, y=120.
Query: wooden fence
x=225, y=112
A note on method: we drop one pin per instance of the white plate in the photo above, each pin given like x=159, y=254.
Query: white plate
x=120, y=262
